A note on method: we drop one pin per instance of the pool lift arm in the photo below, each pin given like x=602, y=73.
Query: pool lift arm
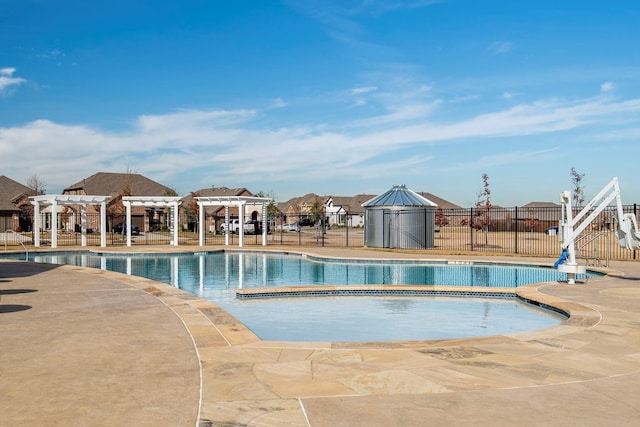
x=571, y=227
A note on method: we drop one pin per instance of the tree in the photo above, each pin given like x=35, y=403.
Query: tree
x=272, y=209
x=317, y=209
x=481, y=219
x=170, y=192
x=192, y=210
x=441, y=219
x=36, y=184
x=531, y=224
x=578, y=188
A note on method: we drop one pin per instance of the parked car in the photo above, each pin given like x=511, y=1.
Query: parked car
x=122, y=228
x=305, y=221
x=234, y=227
x=291, y=227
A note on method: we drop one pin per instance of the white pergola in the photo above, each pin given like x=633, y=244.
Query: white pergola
x=227, y=201
x=153, y=202
x=69, y=200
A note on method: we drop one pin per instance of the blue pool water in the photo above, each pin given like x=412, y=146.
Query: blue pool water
x=215, y=276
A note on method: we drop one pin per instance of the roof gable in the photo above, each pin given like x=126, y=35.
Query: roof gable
x=10, y=193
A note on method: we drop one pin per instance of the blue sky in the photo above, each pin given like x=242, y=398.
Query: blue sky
x=334, y=97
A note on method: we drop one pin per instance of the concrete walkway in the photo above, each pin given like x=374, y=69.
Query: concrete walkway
x=85, y=347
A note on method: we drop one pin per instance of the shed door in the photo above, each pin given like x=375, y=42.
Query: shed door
x=390, y=224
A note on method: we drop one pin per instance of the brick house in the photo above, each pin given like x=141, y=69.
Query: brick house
x=214, y=215
x=14, y=205
x=117, y=185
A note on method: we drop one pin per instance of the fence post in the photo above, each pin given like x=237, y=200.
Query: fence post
x=516, y=233
x=324, y=223
x=347, y=219
x=471, y=227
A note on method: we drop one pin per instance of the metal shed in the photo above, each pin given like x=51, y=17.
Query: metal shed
x=399, y=218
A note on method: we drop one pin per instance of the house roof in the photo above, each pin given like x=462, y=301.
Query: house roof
x=111, y=184
x=351, y=204
x=541, y=205
x=188, y=201
x=298, y=204
x=10, y=192
x=442, y=203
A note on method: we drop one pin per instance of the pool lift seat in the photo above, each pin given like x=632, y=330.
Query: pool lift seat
x=570, y=227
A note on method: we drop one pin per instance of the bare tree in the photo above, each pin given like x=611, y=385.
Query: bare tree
x=578, y=188
x=37, y=184
x=481, y=218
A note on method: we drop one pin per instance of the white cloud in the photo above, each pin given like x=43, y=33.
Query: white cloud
x=229, y=146
x=7, y=80
x=607, y=87
x=508, y=95
x=403, y=113
x=361, y=90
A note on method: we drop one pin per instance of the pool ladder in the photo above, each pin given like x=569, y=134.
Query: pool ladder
x=26, y=251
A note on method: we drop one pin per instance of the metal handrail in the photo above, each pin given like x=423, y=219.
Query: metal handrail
x=592, y=237
x=26, y=251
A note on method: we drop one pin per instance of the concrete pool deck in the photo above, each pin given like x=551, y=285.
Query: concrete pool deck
x=84, y=347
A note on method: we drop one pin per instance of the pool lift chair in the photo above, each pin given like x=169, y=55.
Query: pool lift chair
x=570, y=227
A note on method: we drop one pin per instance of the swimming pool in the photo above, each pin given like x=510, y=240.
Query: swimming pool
x=216, y=276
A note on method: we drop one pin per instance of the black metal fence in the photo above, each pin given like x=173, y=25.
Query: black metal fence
x=521, y=231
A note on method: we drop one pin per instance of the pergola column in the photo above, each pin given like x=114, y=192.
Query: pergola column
x=103, y=224
x=36, y=224
x=127, y=205
x=265, y=224
x=83, y=225
x=174, y=212
x=201, y=223
x=226, y=230
x=241, y=223
x=54, y=224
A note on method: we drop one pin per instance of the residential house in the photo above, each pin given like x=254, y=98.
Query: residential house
x=442, y=203
x=447, y=213
x=14, y=205
x=538, y=216
x=117, y=185
x=215, y=215
x=297, y=208
x=346, y=210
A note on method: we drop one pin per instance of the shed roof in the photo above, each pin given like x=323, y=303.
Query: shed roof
x=399, y=195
